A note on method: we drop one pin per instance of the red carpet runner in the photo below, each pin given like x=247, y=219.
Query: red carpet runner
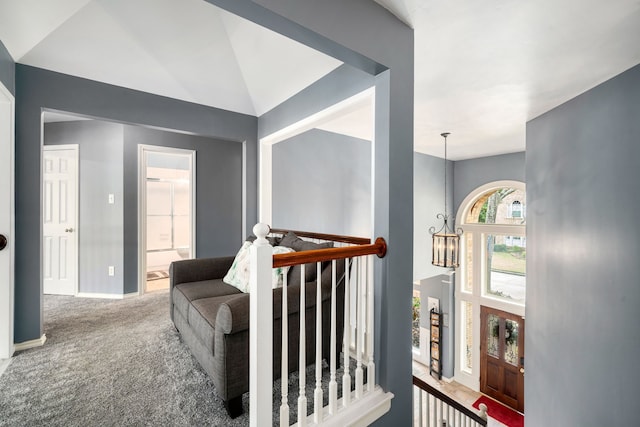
x=497, y=411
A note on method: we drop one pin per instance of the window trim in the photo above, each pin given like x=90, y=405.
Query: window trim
x=471, y=378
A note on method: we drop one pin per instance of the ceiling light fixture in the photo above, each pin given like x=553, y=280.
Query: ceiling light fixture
x=446, y=243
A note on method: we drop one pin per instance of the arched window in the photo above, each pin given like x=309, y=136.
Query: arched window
x=493, y=266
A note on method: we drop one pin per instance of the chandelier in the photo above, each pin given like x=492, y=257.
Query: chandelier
x=446, y=243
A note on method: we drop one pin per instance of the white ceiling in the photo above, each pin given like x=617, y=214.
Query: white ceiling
x=482, y=69
x=185, y=49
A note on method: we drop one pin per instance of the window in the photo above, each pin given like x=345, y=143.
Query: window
x=516, y=209
x=492, y=267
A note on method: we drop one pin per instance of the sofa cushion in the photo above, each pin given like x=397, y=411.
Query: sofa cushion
x=202, y=317
x=291, y=240
x=184, y=293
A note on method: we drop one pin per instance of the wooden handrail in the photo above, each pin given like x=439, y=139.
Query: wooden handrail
x=321, y=236
x=379, y=248
x=449, y=401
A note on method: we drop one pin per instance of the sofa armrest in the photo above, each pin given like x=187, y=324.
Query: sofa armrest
x=195, y=270
x=233, y=315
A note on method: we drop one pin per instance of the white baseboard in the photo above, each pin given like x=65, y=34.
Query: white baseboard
x=4, y=364
x=31, y=344
x=106, y=296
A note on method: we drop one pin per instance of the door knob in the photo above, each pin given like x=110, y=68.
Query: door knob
x=3, y=242
x=68, y=230
x=522, y=370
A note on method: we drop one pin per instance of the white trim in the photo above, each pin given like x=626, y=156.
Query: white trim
x=107, y=296
x=7, y=289
x=143, y=149
x=361, y=412
x=76, y=160
x=243, y=201
x=473, y=195
x=4, y=364
x=265, y=188
x=25, y=345
x=317, y=119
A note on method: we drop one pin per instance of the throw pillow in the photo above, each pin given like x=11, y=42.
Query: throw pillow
x=273, y=240
x=238, y=274
x=291, y=240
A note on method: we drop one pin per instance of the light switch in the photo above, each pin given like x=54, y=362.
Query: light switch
x=112, y=199
x=445, y=320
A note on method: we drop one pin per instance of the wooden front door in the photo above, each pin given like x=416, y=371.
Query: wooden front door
x=502, y=357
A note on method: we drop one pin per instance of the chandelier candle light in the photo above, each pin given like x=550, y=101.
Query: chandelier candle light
x=446, y=242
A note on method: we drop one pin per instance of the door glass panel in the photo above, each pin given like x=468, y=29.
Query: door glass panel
x=511, y=342
x=493, y=336
x=505, y=261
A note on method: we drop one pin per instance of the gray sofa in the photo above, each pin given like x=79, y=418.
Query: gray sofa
x=213, y=320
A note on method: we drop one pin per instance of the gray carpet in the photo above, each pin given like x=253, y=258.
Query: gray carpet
x=115, y=363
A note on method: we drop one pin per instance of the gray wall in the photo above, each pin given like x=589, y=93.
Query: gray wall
x=428, y=202
x=471, y=174
x=100, y=224
x=322, y=182
x=218, y=194
x=109, y=164
x=37, y=89
x=7, y=69
x=583, y=290
x=442, y=288
x=368, y=37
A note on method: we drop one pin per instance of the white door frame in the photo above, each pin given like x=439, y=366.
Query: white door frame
x=76, y=148
x=7, y=221
x=143, y=149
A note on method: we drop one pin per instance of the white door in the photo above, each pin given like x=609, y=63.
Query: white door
x=60, y=230
x=6, y=223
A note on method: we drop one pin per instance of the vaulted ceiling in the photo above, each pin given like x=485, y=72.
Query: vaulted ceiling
x=482, y=69
x=184, y=49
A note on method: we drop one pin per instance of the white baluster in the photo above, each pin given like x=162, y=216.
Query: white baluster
x=346, y=376
x=317, y=399
x=417, y=400
x=302, y=397
x=359, y=332
x=434, y=411
x=483, y=411
x=261, y=328
x=371, y=365
x=426, y=409
x=333, y=385
x=284, y=370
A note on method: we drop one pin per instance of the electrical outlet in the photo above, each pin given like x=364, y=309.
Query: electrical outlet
x=112, y=199
x=112, y=270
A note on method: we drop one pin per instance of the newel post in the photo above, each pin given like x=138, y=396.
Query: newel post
x=261, y=330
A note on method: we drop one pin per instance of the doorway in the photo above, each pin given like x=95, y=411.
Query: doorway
x=60, y=219
x=6, y=222
x=502, y=356
x=167, y=214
